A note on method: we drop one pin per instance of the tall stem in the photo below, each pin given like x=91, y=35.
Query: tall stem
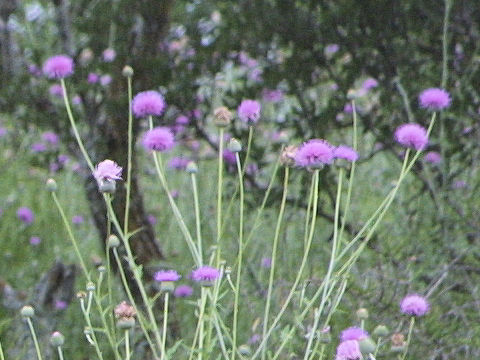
x=219, y=196
x=127, y=345
x=129, y=157
x=165, y=322
x=197, y=217
x=34, y=337
x=409, y=336
x=274, y=255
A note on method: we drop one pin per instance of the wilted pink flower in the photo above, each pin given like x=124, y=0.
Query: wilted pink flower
x=124, y=310
x=158, y=139
x=412, y=135
x=25, y=215
x=414, y=305
x=35, y=240
x=148, y=103
x=58, y=66
x=107, y=170
x=314, y=153
x=183, y=291
x=434, y=99
x=92, y=78
x=109, y=55
x=249, y=111
x=205, y=274
x=166, y=275
x=433, y=157
x=346, y=153
x=56, y=91
x=353, y=333
x=348, y=350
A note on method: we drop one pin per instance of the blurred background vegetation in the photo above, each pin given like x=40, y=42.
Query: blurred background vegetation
x=305, y=61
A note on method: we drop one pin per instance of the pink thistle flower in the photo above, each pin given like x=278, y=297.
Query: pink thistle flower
x=314, y=153
x=148, y=103
x=77, y=219
x=412, y=135
x=60, y=304
x=158, y=139
x=434, y=99
x=38, y=147
x=353, y=333
x=25, y=215
x=414, y=305
x=369, y=83
x=205, y=275
x=107, y=170
x=345, y=152
x=58, y=67
x=183, y=291
x=266, y=262
x=331, y=49
x=273, y=96
x=109, y=55
x=249, y=111
x=92, y=78
x=56, y=91
x=433, y=157
x=178, y=163
x=166, y=275
x=348, y=350
x=152, y=220
x=182, y=120
x=105, y=80
x=35, y=240
x=50, y=137
x=229, y=157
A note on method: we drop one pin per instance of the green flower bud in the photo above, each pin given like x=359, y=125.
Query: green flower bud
x=127, y=71
x=51, y=185
x=234, y=145
x=192, y=167
x=367, y=346
x=380, y=331
x=362, y=314
x=113, y=241
x=27, y=311
x=57, y=339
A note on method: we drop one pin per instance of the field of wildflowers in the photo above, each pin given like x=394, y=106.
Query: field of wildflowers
x=168, y=195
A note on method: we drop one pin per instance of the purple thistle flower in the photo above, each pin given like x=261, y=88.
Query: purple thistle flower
x=459, y=184
x=348, y=350
x=412, y=135
x=205, y=275
x=58, y=67
x=35, y=240
x=345, y=152
x=249, y=111
x=273, y=96
x=369, y=83
x=331, y=49
x=158, y=139
x=50, y=137
x=183, y=291
x=152, y=220
x=433, y=157
x=229, y=157
x=182, y=120
x=38, y=147
x=178, y=163
x=60, y=305
x=107, y=170
x=148, y=103
x=3, y=131
x=414, y=305
x=166, y=275
x=434, y=99
x=348, y=108
x=353, y=333
x=76, y=100
x=92, y=78
x=266, y=262
x=63, y=159
x=77, y=219
x=255, y=338
x=105, y=80
x=25, y=215
x=56, y=91
x=109, y=55
x=314, y=153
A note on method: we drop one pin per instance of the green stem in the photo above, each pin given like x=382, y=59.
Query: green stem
x=219, y=196
x=34, y=337
x=165, y=323
x=86, y=315
x=409, y=336
x=60, y=353
x=197, y=217
x=300, y=271
x=377, y=347
x=129, y=157
x=2, y=357
x=127, y=345
x=274, y=255
x=239, y=259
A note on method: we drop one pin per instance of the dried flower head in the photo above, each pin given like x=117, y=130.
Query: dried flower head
x=314, y=154
x=222, y=116
x=158, y=139
x=124, y=310
x=414, y=305
x=412, y=135
x=287, y=157
x=148, y=103
x=434, y=99
x=58, y=66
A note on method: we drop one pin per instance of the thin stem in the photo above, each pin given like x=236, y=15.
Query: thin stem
x=219, y=195
x=197, y=217
x=86, y=315
x=74, y=126
x=60, y=352
x=2, y=357
x=239, y=259
x=129, y=157
x=34, y=337
x=274, y=255
x=165, y=322
x=300, y=270
x=409, y=336
x=127, y=345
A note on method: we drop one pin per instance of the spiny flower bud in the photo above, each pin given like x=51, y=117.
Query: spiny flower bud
x=127, y=71
x=27, y=311
x=287, y=158
x=113, y=241
x=222, y=117
x=51, y=185
x=191, y=167
x=57, y=339
x=234, y=145
x=380, y=331
x=362, y=314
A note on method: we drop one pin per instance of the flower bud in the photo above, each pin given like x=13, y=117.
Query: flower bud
x=398, y=342
x=113, y=241
x=51, y=185
x=234, y=145
x=362, y=314
x=222, y=117
x=127, y=71
x=107, y=186
x=126, y=323
x=81, y=295
x=192, y=167
x=380, y=331
x=244, y=350
x=367, y=346
x=57, y=339
x=27, y=311
x=102, y=269
x=90, y=286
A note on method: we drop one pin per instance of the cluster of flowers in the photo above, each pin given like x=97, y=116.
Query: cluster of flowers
x=204, y=275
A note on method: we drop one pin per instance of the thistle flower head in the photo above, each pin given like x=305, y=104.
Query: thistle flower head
x=348, y=350
x=414, y=305
x=434, y=99
x=249, y=111
x=107, y=170
x=314, y=154
x=433, y=157
x=25, y=215
x=412, y=135
x=205, y=275
x=58, y=67
x=353, y=333
x=166, y=275
x=183, y=291
x=148, y=103
x=346, y=153
x=158, y=139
